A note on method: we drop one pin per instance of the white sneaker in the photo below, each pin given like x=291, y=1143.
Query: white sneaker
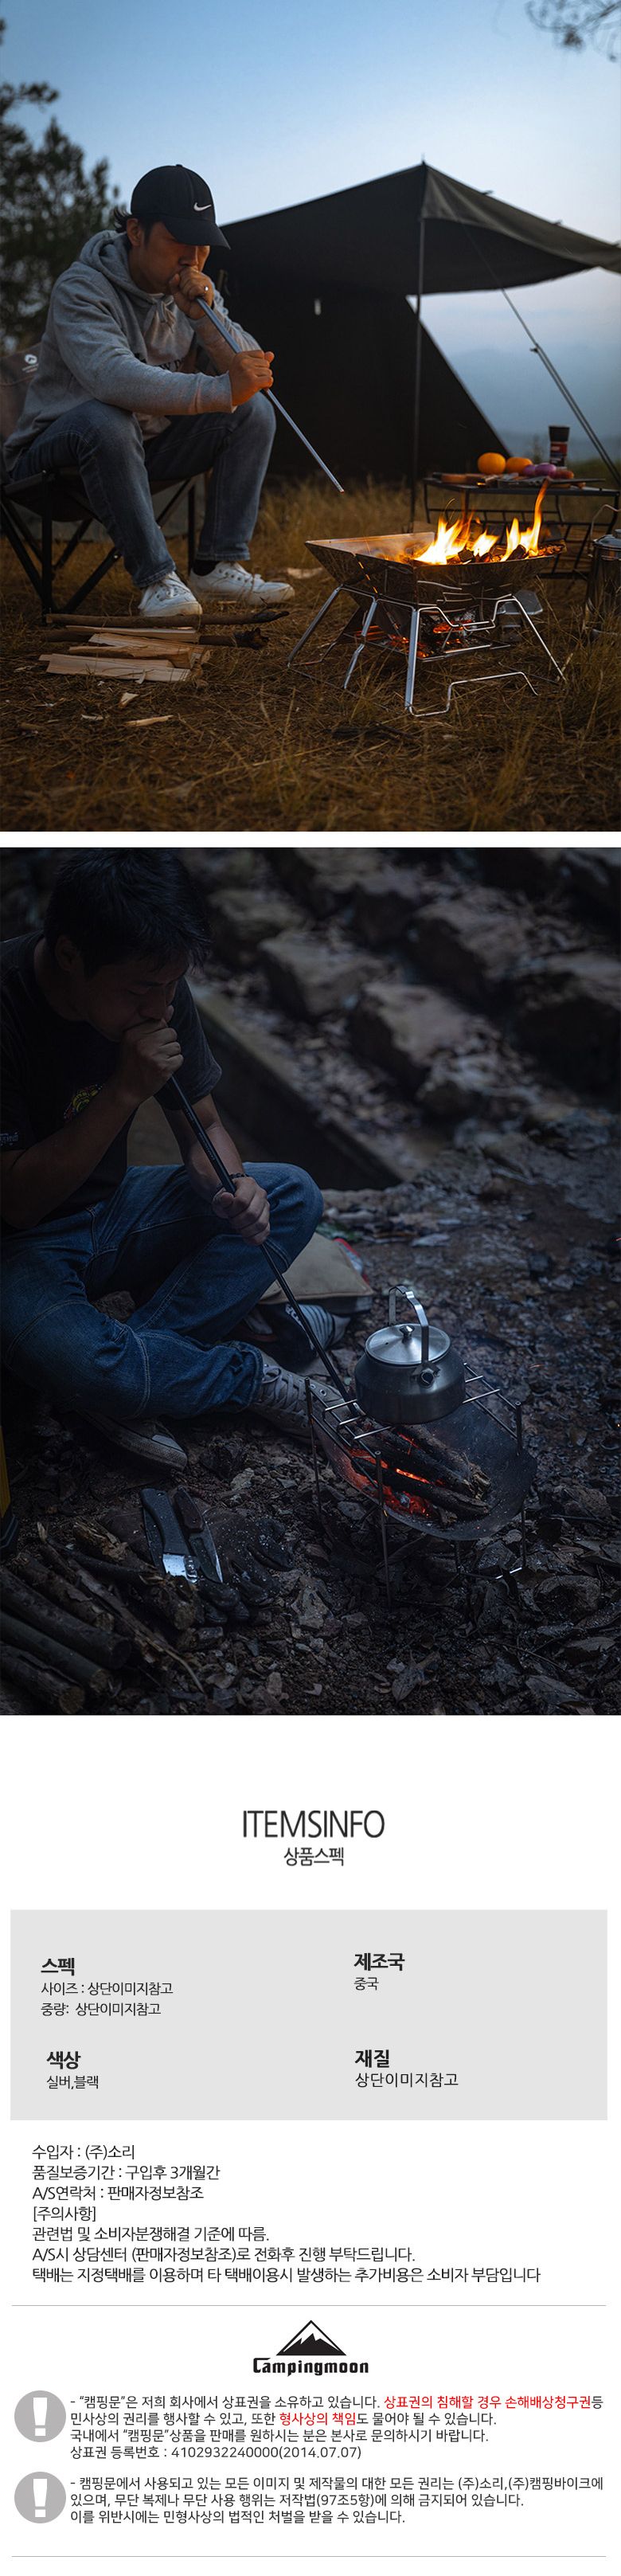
x=168, y=601
x=235, y=581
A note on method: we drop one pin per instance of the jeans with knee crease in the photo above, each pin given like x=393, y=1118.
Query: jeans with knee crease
x=193, y=1281
x=117, y=465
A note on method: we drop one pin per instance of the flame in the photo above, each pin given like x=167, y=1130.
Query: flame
x=447, y=543
x=452, y=542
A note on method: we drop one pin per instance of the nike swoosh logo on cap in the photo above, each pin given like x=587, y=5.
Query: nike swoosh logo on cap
x=202, y=210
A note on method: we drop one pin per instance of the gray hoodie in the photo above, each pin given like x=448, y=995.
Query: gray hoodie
x=108, y=341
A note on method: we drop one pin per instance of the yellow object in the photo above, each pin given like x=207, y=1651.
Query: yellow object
x=5, y=1489
x=8, y=1523
x=517, y=464
x=491, y=464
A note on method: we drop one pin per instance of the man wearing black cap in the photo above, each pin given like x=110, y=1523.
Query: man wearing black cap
x=133, y=386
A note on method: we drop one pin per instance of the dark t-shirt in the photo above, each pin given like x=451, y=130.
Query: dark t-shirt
x=52, y=1067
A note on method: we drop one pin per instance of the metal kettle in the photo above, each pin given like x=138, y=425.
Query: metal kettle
x=409, y=1372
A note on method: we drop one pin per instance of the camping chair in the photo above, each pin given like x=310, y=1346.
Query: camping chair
x=58, y=499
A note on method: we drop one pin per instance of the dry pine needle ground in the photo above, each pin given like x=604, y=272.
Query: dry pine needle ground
x=249, y=745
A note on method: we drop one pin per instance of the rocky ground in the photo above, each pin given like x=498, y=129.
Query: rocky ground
x=441, y=1032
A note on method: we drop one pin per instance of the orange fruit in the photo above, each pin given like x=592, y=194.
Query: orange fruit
x=517, y=464
x=491, y=464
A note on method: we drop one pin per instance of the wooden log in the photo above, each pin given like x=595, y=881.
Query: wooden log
x=174, y=1600
x=110, y=1652
x=56, y=1588
x=28, y=1676
x=224, y=613
x=149, y=1594
x=63, y=1659
x=460, y=1476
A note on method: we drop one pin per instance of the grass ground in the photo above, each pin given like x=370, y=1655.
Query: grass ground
x=252, y=746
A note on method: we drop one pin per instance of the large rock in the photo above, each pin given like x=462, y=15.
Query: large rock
x=567, y=1009
x=267, y=1102
x=473, y=942
x=403, y=1027
x=384, y=902
x=325, y=879
x=308, y=978
x=473, y=1086
x=241, y=920
x=590, y=878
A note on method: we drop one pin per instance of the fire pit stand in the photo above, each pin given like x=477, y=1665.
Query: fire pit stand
x=423, y=611
x=384, y=1467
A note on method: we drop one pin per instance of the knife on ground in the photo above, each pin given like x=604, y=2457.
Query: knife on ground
x=164, y=1537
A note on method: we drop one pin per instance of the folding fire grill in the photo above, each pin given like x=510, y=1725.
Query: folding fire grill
x=458, y=1476
x=435, y=610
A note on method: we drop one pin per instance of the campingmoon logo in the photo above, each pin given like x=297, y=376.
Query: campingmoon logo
x=310, y=2354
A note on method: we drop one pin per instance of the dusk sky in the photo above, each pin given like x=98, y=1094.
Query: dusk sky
x=274, y=103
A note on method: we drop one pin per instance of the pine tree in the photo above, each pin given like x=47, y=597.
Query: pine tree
x=49, y=203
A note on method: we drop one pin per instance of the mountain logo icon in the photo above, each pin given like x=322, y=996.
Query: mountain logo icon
x=309, y=2354
x=309, y=2344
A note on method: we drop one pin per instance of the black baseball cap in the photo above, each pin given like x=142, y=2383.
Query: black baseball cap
x=181, y=200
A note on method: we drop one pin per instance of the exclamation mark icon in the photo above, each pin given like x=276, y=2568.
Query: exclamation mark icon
x=39, y=2409
x=39, y=2488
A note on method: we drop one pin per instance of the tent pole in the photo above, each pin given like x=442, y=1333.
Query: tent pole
x=419, y=349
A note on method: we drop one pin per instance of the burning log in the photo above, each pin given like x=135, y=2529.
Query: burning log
x=462, y=1478
x=456, y=543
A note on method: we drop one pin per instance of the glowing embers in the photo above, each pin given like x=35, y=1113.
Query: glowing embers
x=416, y=1475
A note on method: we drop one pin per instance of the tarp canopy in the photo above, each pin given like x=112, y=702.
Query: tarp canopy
x=345, y=366
x=369, y=236
x=326, y=285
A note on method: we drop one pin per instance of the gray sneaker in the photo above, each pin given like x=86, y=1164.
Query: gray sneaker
x=281, y=1401
x=144, y=1440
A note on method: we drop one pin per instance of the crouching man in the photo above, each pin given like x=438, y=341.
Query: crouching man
x=134, y=386
x=97, y=1014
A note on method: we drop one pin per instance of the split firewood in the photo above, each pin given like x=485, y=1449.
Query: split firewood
x=163, y=642
x=41, y=1687
x=63, y=1659
x=16, y=1596
x=71, y=666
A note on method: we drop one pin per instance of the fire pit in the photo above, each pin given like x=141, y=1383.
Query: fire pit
x=458, y=1477
x=434, y=598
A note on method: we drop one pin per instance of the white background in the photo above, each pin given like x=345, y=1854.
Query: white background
x=492, y=1812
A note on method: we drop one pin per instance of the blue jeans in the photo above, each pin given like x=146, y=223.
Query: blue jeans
x=116, y=466
x=192, y=1281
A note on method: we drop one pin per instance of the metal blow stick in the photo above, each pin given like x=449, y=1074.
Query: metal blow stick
x=274, y=1263
x=273, y=398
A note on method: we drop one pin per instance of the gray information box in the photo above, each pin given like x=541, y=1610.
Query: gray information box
x=268, y=2016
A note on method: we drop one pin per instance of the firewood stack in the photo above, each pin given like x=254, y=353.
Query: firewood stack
x=82, y=649
x=123, y=652
x=72, y=1625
